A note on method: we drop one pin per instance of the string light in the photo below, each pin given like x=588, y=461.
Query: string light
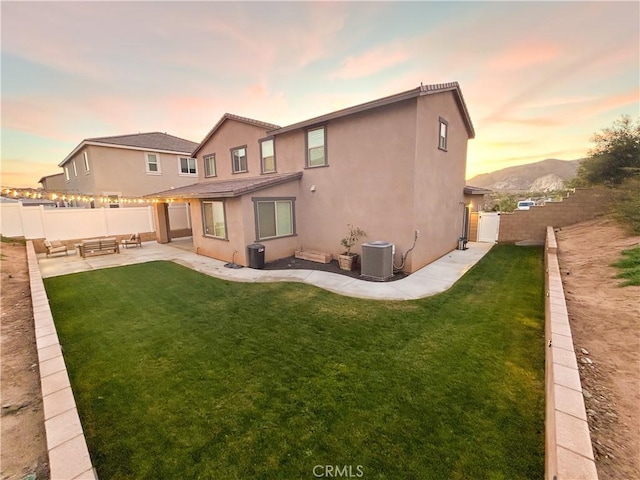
x=81, y=198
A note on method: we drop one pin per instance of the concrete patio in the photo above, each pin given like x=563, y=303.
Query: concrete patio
x=429, y=280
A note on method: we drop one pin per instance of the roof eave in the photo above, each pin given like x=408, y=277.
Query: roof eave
x=225, y=117
x=117, y=145
x=381, y=102
x=470, y=190
x=238, y=192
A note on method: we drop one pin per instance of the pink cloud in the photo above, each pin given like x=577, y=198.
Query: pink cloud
x=548, y=121
x=609, y=103
x=372, y=61
x=525, y=55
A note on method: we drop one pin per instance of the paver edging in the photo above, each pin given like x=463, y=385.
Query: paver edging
x=67, y=447
x=568, y=448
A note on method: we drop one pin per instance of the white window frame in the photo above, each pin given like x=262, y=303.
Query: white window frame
x=290, y=200
x=207, y=171
x=443, y=134
x=324, y=147
x=233, y=160
x=113, y=203
x=75, y=169
x=204, y=219
x=66, y=172
x=147, y=163
x=85, y=156
x=262, y=157
x=187, y=174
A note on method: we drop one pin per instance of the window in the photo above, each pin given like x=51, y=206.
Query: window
x=153, y=163
x=187, y=166
x=85, y=155
x=316, y=151
x=114, y=201
x=66, y=172
x=274, y=217
x=442, y=139
x=214, y=220
x=210, y=165
x=75, y=169
x=239, y=159
x=267, y=156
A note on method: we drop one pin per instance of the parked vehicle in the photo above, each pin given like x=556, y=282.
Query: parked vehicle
x=525, y=204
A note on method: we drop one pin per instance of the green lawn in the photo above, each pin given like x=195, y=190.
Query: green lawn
x=629, y=264
x=179, y=375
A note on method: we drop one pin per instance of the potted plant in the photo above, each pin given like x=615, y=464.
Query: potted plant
x=348, y=259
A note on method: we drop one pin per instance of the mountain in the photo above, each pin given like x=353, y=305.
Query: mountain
x=546, y=175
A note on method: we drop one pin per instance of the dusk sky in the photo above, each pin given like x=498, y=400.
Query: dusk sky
x=539, y=78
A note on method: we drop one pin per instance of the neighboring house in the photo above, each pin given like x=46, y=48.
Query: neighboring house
x=29, y=202
x=475, y=197
x=392, y=166
x=53, y=183
x=129, y=166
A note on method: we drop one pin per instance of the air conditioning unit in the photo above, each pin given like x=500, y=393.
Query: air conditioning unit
x=377, y=260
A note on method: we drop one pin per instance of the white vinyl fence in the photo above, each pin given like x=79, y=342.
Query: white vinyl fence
x=34, y=222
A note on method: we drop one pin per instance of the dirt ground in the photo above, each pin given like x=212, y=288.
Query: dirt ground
x=23, y=447
x=605, y=323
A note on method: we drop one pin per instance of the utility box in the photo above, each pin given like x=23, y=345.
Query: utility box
x=255, y=252
x=377, y=260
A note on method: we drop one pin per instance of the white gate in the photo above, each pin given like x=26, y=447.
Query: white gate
x=488, y=226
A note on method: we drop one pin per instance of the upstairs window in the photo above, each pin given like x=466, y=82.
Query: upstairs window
x=187, y=166
x=210, y=165
x=267, y=156
x=153, y=163
x=239, y=159
x=85, y=156
x=442, y=137
x=316, y=147
x=75, y=169
x=66, y=173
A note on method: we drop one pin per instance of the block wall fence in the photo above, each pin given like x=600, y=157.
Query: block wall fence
x=66, y=444
x=584, y=204
x=568, y=448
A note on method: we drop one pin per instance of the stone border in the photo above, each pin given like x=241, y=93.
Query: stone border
x=68, y=453
x=569, y=453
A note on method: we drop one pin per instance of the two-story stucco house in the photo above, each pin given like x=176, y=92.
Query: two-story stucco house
x=392, y=166
x=129, y=165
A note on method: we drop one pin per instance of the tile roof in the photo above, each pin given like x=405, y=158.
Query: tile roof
x=50, y=176
x=413, y=93
x=237, y=118
x=471, y=190
x=151, y=140
x=157, y=141
x=226, y=188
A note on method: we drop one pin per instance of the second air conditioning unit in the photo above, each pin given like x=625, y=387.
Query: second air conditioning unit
x=377, y=260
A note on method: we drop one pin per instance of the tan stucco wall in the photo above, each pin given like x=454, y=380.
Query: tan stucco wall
x=368, y=182
x=55, y=183
x=122, y=171
x=241, y=229
x=232, y=134
x=382, y=177
x=476, y=201
x=439, y=179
